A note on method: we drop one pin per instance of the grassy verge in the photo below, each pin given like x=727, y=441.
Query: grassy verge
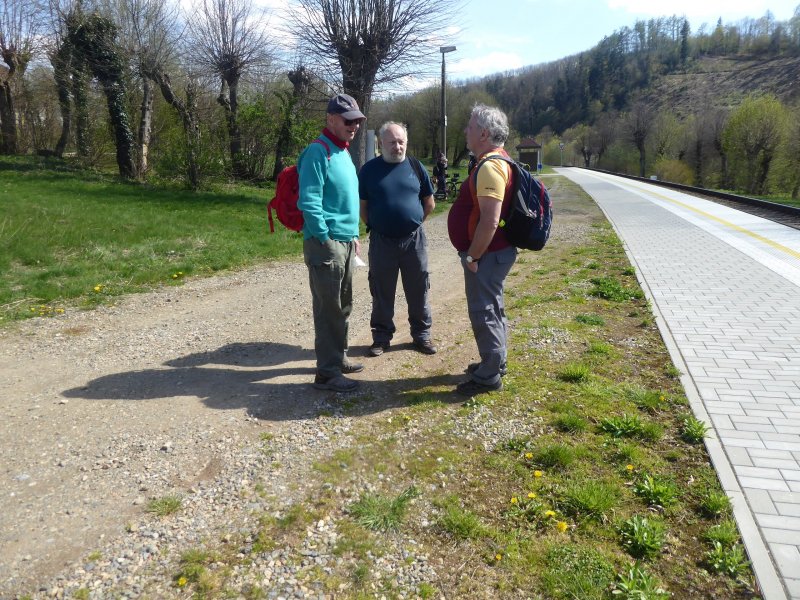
x=586, y=477
x=73, y=238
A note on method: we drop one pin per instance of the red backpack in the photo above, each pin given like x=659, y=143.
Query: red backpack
x=287, y=192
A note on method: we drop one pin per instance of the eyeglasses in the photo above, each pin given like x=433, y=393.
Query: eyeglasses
x=349, y=122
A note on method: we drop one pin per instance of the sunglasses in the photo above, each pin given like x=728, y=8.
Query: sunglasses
x=349, y=122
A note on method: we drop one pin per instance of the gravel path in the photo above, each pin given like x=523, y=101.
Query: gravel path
x=169, y=394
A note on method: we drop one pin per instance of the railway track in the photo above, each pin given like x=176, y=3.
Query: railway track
x=779, y=213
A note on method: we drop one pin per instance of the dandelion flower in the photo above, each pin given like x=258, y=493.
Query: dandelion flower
x=514, y=500
x=561, y=526
x=174, y=275
x=549, y=513
x=529, y=455
x=182, y=581
x=531, y=495
x=629, y=467
x=537, y=473
x=498, y=556
x=97, y=288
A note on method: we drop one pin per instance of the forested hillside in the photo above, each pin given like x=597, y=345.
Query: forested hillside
x=716, y=108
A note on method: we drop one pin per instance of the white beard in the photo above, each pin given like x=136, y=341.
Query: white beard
x=394, y=159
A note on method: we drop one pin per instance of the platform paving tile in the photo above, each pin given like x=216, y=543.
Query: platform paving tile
x=761, y=472
x=787, y=557
x=787, y=510
x=760, y=501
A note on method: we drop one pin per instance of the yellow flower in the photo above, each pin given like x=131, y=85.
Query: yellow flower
x=174, y=275
x=182, y=581
x=561, y=526
x=629, y=467
x=97, y=288
x=531, y=495
x=529, y=455
x=498, y=556
x=550, y=513
x=537, y=473
x=514, y=500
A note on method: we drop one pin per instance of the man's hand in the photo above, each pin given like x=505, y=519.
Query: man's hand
x=358, y=246
x=472, y=266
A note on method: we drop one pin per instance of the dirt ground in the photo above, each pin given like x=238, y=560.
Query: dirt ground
x=95, y=403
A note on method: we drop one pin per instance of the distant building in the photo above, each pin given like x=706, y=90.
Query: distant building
x=530, y=152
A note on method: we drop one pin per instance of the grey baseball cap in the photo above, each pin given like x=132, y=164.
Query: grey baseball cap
x=345, y=105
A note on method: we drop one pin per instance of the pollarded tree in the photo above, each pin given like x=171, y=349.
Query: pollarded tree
x=751, y=137
x=366, y=43
x=228, y=38
x=19, y=24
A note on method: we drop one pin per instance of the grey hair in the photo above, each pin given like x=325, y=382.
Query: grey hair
x=388, y=124
x=494, y=120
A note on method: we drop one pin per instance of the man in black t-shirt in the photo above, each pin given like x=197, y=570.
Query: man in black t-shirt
x=396, y=197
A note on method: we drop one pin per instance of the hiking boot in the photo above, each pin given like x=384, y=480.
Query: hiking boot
x=424, y=346
x=335, y=383
x=378, y=348
x=473, y=388
x=472, y=367
x=352, y=367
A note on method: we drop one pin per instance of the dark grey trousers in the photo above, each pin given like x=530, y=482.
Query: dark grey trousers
x=487, y=312
x=407, y=256
x=330, y=276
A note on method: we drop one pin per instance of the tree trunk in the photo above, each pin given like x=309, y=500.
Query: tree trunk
x=231, y=106
x=145, y=126
x=188, y=114
x=8, y=121
x=81, y=97
x=642, y=162
x=61, y=70
x=123, y=135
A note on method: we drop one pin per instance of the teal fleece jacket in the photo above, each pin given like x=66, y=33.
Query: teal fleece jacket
x=328, y=192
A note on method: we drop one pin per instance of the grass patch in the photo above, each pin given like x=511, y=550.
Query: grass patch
x=574, y=373
x=74, y=238
x=166, y=505
x=591, y=500
x=380, y=513
x=576, y=572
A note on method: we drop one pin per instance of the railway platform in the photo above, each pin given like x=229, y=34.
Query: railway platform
x=725, y=289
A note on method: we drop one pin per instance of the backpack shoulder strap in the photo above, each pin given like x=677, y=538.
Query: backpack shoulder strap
x=473, y=176
x=417, y=166
x=323, y=143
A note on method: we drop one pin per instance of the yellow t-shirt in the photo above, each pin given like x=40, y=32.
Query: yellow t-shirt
x=492, y=178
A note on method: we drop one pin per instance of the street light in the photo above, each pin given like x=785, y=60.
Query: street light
x=444, y=50
x=561, y=147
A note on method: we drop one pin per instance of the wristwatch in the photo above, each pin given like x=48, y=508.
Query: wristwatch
x=471, y=260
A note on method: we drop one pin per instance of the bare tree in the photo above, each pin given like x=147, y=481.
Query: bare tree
x=228, y=39
x=148, y=30
x=19, y=24
x=369, y=42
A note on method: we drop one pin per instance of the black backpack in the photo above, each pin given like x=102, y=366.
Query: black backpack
x=530, y=215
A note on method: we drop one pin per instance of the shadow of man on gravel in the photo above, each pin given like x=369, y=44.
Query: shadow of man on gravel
x=263, y=381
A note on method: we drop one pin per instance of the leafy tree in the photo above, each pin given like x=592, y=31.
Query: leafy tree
x=751, y=137
x=638, y=125
x=93, y=38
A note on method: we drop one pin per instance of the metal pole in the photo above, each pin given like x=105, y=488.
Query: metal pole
x=444, y=113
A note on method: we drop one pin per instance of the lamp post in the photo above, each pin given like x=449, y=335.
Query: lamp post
x=561, y=147
x=444, y=50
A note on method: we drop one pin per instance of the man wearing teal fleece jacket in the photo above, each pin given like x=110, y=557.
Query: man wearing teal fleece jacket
x=330, y=204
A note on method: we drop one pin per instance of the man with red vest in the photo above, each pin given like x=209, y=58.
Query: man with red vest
x=486, y=255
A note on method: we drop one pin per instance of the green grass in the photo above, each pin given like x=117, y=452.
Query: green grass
x=164, y=506
x=76, y=238
x=381, y=513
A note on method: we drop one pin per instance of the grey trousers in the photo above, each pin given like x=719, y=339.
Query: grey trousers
x=487, y=313
x=330, y=276
x=407, y=256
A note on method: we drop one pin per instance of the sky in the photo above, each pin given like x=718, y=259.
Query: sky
x=508, y=34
